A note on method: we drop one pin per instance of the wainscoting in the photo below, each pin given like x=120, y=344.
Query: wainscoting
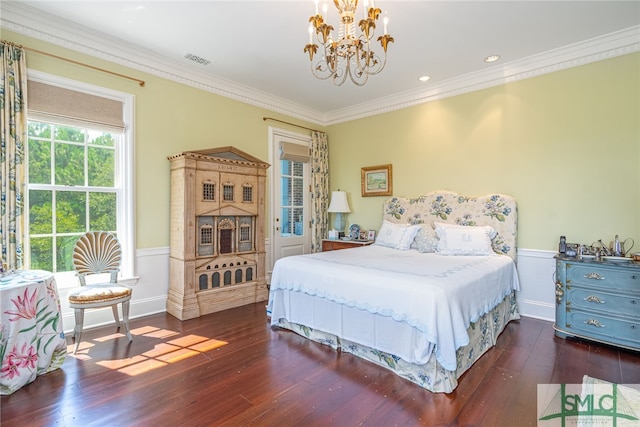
x=535, y=268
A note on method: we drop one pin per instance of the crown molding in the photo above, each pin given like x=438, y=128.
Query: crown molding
x=34, y=23
x=597, y=49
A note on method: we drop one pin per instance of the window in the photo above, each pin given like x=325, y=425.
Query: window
x=292, y=193
x=72, y=189
x=79, y=172
x=245, y=233
x=208, y=191
x=227, y=192
x=247, y=193
x=206, y=235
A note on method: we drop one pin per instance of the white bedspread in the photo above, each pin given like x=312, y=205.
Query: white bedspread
x=427, y=299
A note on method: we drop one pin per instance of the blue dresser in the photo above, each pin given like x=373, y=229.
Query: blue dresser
x=599, y=301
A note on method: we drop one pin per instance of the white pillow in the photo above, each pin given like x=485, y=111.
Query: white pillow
x=464, y=240
x=426, y=240
x=396, y=236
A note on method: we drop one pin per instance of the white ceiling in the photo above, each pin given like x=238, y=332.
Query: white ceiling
x=256, y=47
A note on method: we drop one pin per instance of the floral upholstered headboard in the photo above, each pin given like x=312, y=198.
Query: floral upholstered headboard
x=496, y=210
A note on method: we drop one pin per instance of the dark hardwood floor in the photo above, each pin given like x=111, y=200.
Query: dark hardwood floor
x=232, y=369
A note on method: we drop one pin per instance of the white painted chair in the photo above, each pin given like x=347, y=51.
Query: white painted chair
x=98, y=252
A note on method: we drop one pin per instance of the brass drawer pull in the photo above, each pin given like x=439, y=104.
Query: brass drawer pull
x=594, y=322
x=595, y=276
x=594, y=298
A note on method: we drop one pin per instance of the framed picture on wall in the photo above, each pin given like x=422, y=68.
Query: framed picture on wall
x=376, y=181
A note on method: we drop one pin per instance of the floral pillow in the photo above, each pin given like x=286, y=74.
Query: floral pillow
x=396, y=236
x=426, y=240
x=464, y=240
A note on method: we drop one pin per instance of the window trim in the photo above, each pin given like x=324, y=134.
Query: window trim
x=124, y=174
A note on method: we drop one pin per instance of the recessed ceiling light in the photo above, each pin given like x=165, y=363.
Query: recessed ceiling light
x=424, y=78
x=492, y=58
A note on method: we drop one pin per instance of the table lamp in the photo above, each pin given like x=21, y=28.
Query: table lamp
x=339, y=205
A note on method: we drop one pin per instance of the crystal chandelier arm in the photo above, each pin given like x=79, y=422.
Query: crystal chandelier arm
x=312, y=49
x=326, y=66
x=323, y=31
x=339, y=76
x=384, y=41
x=368, y=27
x=374, y=12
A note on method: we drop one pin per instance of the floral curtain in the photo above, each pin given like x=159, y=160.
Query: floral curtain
x=13, y=133
x=320, y=189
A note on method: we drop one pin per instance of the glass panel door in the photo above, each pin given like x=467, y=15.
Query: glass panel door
x=292, y=215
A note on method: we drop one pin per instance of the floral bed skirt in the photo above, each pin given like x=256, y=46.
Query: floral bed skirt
x=483, y=335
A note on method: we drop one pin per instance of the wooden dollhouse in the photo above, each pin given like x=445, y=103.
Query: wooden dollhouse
x=217, y=249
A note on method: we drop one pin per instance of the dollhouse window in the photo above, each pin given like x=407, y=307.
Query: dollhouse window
x=206, y=235
x=247, y=193
x=208, y=191
x=227, y=192
x=203, y=281
x=245, y=233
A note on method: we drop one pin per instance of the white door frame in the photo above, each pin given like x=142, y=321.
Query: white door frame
x=274, y=205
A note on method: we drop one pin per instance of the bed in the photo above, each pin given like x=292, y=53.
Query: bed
x=426, y=301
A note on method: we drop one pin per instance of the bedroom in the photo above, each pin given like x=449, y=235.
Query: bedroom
x=564, y=144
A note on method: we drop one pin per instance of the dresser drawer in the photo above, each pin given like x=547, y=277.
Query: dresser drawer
x=604, y=328
x=603, y=277
x=602, y=301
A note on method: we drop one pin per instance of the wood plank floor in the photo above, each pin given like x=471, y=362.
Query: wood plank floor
x=232, y=369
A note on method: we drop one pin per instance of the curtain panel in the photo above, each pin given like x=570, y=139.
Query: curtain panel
x=320, y=189
x=13, y=134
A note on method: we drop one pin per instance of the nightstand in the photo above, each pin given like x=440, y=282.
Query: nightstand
x=334, y=245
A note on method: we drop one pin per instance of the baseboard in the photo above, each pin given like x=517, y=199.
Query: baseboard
x=536, y=309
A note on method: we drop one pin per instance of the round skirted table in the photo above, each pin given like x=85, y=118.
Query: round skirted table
x=31, y=338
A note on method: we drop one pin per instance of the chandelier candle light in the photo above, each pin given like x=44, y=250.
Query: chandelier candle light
x=350, y=55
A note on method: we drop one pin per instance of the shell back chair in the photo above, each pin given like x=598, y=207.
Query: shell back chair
x=98, y=252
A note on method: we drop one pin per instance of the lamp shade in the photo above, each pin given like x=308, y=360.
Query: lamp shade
x=339, y=203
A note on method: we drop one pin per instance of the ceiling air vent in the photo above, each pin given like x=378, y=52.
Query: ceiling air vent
x=197, y=59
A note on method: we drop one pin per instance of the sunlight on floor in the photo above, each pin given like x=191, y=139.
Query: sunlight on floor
x=162, y=354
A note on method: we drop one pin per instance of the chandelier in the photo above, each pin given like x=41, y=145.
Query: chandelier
x=351, y=54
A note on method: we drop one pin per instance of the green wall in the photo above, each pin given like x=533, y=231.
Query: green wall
x=169, y=118
x=566, y=145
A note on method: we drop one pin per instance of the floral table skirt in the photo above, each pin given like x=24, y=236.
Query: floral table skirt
x=31, y=339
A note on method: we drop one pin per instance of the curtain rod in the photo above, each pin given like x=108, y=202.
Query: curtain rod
x=292, y=124
x=140, y=82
